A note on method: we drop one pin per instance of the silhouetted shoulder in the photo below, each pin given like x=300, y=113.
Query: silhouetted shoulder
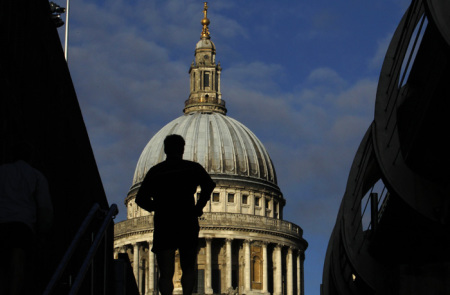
x=196, y=167
x=193, y=164
x=186, y=164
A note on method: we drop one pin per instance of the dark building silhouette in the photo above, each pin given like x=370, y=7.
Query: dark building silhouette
x=38, y=105
x=392, y=230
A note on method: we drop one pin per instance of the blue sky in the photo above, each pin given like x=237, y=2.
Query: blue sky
x=302, y=75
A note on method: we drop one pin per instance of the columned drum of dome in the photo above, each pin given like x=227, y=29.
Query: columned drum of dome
x=245, y=245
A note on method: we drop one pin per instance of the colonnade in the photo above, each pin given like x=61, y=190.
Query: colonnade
x=276, y=269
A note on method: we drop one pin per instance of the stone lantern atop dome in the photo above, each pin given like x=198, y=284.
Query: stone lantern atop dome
x=205, y=95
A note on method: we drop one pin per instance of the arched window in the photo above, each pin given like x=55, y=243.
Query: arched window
x=206, y=79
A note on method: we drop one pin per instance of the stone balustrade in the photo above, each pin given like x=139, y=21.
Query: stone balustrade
x=213, y=100
x=218, y=220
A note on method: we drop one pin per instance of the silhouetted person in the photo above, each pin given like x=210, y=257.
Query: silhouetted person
x=25, y=212
x=168, y=189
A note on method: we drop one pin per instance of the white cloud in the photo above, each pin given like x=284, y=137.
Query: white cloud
x=325, y=75
x=359, y=97
x=382, y=45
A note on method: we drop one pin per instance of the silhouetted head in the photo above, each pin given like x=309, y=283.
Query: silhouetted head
x=174, y=146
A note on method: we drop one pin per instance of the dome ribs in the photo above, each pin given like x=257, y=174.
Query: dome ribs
x=221, y=144
x=227, y=147
x=241, y=147
x=193, y=139
x=216, y=155
x=209, y=155
x=264, y=157
x=201, y=146
x=260, y=163
x=253, y=153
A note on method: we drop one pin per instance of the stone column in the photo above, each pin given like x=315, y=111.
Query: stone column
x=229, y=263
x=218, y=84
x=202, y=82
x=278, y=277
x=265, y=285
x=247, y=268
x=253, y=205
x=151, y=269
x=263, y=205
x=299, y=284
x=238, y=202
x=141, y=273
x=208, y=267
x=145, y=276
x=136, y=262
x=224, y=201
x=272, y=208
x=290, y=273
x=197, y=80
x=302, y=271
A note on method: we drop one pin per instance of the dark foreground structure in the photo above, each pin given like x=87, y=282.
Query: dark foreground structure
x=392, y=231
x=38, y=106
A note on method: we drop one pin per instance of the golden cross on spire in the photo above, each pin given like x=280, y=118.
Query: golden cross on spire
x=205, y=9
x=205, y=22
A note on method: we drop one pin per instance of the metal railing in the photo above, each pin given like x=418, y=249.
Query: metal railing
x=101, y=234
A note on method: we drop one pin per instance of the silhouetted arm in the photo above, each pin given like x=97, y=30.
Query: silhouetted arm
x=143, y=196
x=206, y=188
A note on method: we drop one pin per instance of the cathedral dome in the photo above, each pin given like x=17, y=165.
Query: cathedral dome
x=224, y=146
x=205, y=44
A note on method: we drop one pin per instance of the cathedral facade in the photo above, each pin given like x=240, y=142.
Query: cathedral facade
x=245, y=245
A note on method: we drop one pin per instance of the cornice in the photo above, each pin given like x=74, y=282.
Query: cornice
x=221, y=222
